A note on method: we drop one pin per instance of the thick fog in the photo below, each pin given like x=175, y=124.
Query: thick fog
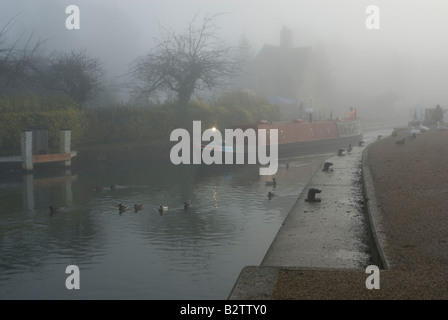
x=406, y=56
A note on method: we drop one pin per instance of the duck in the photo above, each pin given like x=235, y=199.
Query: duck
x=123, y=207
x=187, y=204
x=113, y=187
x=271, y=183
x=270, y=195
x=138, y=207
x=340, y=152
x=163, y=209
x=361, y=143
x=56, y=209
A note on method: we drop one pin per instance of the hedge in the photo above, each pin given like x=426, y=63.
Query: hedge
x=122, y=123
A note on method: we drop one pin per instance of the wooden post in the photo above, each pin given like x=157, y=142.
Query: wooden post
x=65, y=144
x=27, y=150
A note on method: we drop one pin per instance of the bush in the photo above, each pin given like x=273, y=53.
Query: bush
x=124, y=123
x=13, y=123
x=34, y=103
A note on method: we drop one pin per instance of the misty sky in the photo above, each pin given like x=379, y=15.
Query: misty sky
x=407, y=55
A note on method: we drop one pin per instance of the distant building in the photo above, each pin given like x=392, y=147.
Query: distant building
x=288, y=77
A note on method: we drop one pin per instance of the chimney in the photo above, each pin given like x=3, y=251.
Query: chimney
x=286, y=37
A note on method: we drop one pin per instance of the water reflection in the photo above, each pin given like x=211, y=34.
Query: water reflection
x=31, y=183
x=183, y=254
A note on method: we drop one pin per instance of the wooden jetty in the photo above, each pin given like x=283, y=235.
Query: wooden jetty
x=28, y=159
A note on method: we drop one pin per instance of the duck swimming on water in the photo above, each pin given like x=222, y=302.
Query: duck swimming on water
x=56, y=209
x=123, y=207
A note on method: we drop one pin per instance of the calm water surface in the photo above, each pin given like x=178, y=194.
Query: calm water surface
x=183, y=254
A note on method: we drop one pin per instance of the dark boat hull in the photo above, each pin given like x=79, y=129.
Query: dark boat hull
x=296, y=149
x=299, y=138
x=293, y=139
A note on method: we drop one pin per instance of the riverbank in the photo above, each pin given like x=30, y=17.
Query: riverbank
x=409, y=184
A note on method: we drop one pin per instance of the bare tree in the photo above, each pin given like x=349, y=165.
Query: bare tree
x=18, y=66
x=74, y=74
x=183, y=63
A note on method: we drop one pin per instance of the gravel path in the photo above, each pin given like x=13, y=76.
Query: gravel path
x=410, y=184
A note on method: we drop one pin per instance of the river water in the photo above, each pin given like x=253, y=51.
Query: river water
x=196, y=253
